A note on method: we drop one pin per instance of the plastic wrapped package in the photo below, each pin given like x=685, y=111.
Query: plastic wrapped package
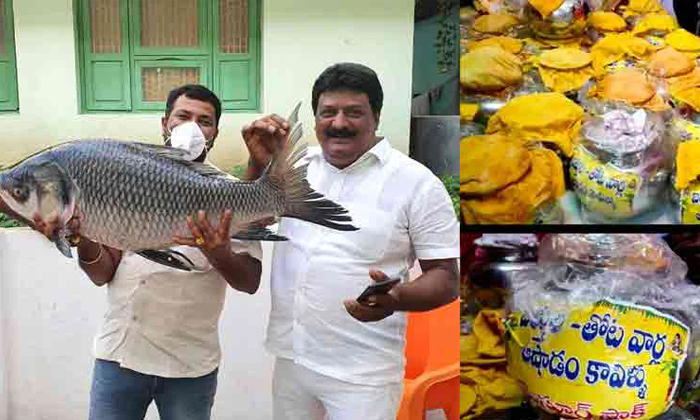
x=501, y=255
x=614, y=90
x=621, y=167
x=552, y=19
x=604, y=343
x=491, y=102
x=645, y=255
x=685, y=193
x=471, y=129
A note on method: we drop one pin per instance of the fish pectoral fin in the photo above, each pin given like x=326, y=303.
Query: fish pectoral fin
x=169, y=258
x=62, y=244
x=258, y=233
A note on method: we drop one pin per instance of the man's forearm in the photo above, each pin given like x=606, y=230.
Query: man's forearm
x=241, y=271
x=254, y=171
x=437, y=286
x=98, y=261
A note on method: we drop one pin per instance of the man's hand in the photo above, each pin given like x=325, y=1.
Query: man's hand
x=47, y=227
x=241, y=271
x=378, y=306
x=263, y=138
x=213, y=243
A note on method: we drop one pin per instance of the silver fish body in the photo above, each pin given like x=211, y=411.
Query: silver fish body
x=137, y=196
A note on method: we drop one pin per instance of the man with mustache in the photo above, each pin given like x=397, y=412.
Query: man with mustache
x=334, y=355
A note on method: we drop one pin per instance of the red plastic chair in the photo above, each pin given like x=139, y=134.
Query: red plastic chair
x=431, y=380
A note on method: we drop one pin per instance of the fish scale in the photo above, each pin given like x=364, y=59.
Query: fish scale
x=137, y=196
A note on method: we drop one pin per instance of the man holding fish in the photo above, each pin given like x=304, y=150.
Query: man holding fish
x=336, y=356
x=159, y=340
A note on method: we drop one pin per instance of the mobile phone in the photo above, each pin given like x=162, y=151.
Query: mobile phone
x=377, y=289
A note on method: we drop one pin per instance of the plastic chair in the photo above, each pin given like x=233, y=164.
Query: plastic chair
x=431, y=380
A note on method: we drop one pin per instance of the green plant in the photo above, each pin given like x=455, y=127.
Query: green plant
x=452, y=185
x=238, y=171
x=447, y=36
x=6, y=222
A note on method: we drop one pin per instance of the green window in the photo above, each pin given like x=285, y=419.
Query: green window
x=133, y=52
x=8, y=67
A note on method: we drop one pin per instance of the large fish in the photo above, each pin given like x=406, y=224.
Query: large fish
x=137, y=196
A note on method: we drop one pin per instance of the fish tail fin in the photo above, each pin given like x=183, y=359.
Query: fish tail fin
x=298, y=199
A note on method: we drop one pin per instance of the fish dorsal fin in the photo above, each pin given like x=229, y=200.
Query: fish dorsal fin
x=294, y=115
x=178, y=155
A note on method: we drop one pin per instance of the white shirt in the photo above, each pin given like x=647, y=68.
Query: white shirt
x=162, y=321
x=403, y=212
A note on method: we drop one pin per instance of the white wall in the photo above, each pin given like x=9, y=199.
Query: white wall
x=50, y=312
x=300, y=39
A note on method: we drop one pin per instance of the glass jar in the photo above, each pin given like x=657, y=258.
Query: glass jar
x=568, y=21
x=616, y=180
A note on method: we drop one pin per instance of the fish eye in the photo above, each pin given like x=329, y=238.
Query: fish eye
x=18, y=192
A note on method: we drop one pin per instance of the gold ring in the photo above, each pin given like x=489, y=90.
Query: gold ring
x=199, y=240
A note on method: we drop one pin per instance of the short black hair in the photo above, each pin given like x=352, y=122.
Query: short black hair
x=352, y=77
x=197, y=92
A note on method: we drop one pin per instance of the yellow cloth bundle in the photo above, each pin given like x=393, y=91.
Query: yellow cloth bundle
x=564, y=69
x=531, y=119
x=495, y=24
x=489, y=69
x=607, y=22
x=490, y=163
x=519, y=201
x=512, y=45
x=661, y=22
x=687, y=163
x=546, y=7
x=616, y=47
x=485, y=386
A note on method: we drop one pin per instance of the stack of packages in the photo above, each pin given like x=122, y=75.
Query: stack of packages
x=599, y=98
x=487, y=391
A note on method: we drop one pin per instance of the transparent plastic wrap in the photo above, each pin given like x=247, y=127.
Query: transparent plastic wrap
x=567, y=21
x=621, y=167
x=489, y=104
x=603, y=343
x=685, y=203
x=597, y=106
x=646, y=255
x=470, y=129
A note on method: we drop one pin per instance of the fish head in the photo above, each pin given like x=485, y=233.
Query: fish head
x=39, y=187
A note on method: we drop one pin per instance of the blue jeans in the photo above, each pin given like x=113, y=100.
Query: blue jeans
x=122, y=394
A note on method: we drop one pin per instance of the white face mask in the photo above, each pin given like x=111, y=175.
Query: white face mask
x=188, y=136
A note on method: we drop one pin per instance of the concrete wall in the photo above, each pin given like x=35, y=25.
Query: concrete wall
x=299, y=39
x=50, y=313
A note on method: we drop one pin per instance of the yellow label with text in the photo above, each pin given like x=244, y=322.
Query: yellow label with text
x=690, y=204
x=601, y=187
x=687, y=129
x=609, y=360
